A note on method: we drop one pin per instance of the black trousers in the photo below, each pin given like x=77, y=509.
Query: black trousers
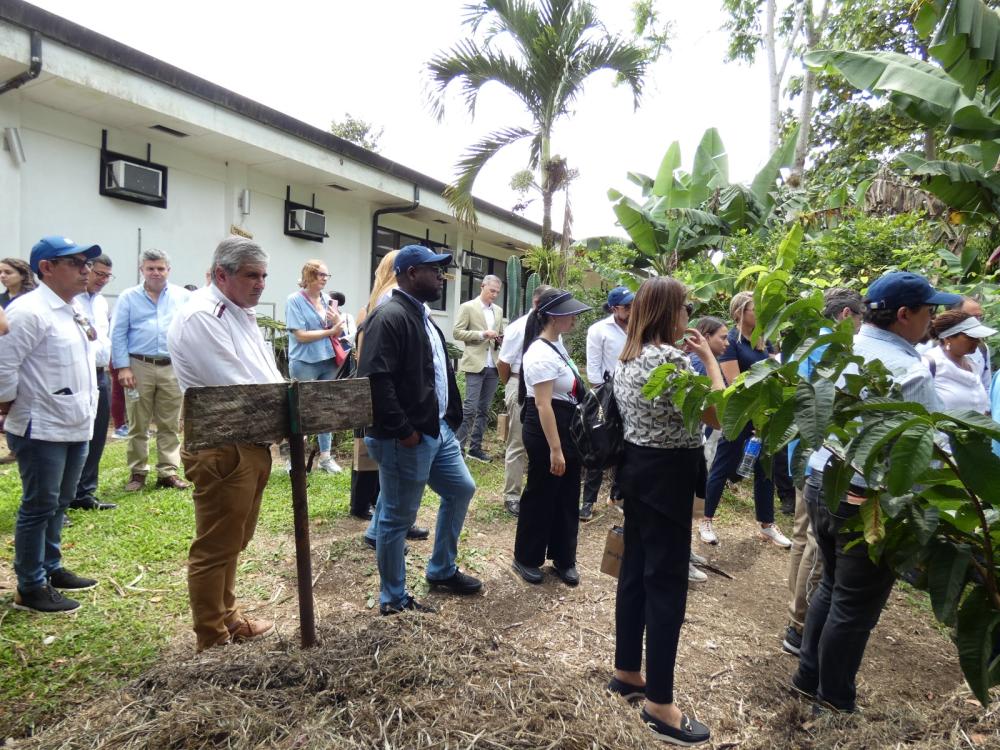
x=87, y=486
x=658, y=486
x=592, y=479
x=846, y=606
x=549, y=518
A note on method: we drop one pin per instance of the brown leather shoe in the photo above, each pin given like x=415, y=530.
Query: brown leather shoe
x=173, y=481
x=247, y=629
x=136, y=483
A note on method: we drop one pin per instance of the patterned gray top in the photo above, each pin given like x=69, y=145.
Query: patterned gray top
x=657, y=423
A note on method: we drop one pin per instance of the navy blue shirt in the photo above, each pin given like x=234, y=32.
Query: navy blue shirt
x=741, y=350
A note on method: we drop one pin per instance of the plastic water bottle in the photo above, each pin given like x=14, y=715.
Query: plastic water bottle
x=750, y=454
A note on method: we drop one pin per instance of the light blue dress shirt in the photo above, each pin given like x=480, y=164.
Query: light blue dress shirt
x=140, y=326
x=300, y=315
x=437, y=351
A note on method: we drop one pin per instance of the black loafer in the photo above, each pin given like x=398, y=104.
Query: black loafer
x=691, y=731
x=570, y=576
x=513, y=506
x=626, y=690
x=458, y=583
x=91, y=503
x=417, y=532
x=799, y=687
x=372, y=544
x=531, y=575
x=409, y=603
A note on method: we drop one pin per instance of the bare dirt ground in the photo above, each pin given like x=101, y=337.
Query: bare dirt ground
x=524, y=666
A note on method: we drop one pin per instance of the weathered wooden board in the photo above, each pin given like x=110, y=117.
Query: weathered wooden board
x=219, y=415
x=326, y=405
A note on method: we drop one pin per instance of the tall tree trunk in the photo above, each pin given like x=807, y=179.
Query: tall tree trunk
x=773, y=79
x=813, y=33
x=548, y=238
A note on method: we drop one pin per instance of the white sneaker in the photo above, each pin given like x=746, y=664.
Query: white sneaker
x=773, y=533
x=332, y=467
x=706, y=532
x=697, y=559
x=695, y=575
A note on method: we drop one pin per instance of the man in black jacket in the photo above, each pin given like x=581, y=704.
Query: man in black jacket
x=416, y=408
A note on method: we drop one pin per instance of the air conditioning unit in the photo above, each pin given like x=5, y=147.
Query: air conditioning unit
x=304, y=221
x=474, y=263
x=134, y=180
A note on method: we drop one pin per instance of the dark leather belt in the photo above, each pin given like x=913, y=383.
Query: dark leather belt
x=159, y=361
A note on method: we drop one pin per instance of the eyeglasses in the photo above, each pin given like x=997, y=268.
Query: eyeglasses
x=322, y=275
x=102, y=275
x=85, y=324
x=78, y=263
x=689, y=306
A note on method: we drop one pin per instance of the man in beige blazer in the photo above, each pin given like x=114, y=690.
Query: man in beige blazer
x=479, y=326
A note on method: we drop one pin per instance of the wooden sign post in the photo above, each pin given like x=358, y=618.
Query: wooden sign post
x=271, y=413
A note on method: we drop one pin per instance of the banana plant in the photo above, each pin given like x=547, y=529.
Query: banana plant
x=687, y=214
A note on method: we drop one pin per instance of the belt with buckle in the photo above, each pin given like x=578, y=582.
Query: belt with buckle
x=159, y=361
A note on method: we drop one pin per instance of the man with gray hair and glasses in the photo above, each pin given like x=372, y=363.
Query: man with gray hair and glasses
x=215, y=340
x=139, y=353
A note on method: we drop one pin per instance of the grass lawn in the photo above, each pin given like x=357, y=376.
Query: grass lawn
x=138, y=552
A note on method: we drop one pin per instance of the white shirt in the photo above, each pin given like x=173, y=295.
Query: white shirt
x=957, y=388
x=213, y=341
x=95, y=308
x=491, y=325
x=605, y=341
x=542, y=364
x=47, y=370
x=513, y=342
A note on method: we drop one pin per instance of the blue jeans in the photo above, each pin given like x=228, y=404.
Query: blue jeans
x=324, y=370
x=403, y=474
x=49, y=475
x=727, y=459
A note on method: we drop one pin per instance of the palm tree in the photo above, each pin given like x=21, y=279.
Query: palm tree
x=542, y=52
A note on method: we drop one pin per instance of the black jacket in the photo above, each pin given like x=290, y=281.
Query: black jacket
x=396, y=358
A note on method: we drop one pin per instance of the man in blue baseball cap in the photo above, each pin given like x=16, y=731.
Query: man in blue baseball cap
x=48, y=392
x=847, y=605
x=416, y=409
x=605, y=341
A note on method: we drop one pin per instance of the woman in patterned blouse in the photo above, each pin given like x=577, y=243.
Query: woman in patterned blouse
x=657, y=478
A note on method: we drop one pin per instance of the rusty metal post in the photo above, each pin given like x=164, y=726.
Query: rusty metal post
x=300, y=510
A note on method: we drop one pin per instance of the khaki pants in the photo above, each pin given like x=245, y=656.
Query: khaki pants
x=515, y=460
x=228, y=485
x=160, y=402
x=804, y=565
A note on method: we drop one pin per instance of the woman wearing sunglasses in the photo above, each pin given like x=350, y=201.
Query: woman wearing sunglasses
x=658, y=475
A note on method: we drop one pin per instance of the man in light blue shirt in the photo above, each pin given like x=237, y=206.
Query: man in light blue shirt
x=853, y=590
x=139, y=353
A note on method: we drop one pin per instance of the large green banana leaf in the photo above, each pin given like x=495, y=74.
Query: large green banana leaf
x=960, y=186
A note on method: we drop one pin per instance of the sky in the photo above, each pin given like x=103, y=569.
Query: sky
x=318, y=60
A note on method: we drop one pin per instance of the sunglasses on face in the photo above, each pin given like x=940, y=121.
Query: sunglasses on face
x=689, y=307
x=77, y=263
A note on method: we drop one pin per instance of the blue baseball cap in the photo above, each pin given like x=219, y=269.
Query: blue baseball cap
x=57, y=246
x=417, y=255
x=620, y=295
x=899, y=288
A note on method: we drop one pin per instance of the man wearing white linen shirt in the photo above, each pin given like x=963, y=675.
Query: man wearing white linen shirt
x=95, y=307
x=214, y=340
x=48, y=392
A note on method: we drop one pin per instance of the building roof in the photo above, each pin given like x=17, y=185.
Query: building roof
x=59, y=29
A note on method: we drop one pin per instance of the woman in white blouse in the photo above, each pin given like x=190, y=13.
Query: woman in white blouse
x=550, y=387
x=956, y=379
